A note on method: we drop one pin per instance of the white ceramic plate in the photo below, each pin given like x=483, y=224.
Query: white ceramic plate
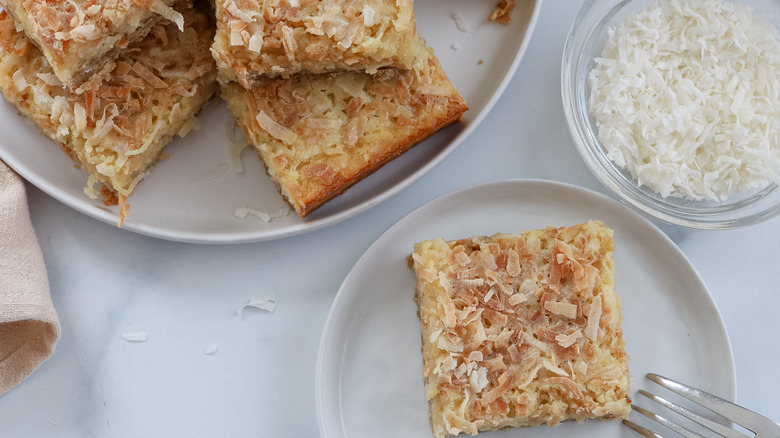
x=176, y=203
x=369, y=376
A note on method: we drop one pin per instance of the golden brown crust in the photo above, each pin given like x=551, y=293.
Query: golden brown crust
x=393, y=150
x=79, y=37
x=320, y=134
x=285, y=37
x=116, y=131
x=521, y=329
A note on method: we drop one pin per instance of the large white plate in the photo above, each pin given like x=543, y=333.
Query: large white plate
x=369, y=376
x=176, y=203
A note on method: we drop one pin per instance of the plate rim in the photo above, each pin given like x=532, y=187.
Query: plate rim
x=260, y=235
x=340, y=294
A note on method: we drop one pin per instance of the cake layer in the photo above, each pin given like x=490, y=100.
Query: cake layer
x=284, y=37
x=521, y=329
x=80, y=38
x=118, y=130
x=320, y=134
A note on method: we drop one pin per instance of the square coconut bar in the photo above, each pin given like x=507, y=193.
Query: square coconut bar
x=81, y=38
x=319, y=134
x=285, y=37
x=117, y=131
x=521, y=329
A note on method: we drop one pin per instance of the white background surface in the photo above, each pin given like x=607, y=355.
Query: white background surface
x=106, y=282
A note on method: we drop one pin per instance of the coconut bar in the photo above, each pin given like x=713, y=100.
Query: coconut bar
x=117, y=131
x=284, y=37
x=319, y=134
x=81, y=38
x=521, y=329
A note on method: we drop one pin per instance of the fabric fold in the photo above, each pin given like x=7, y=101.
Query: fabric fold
x=29, y=327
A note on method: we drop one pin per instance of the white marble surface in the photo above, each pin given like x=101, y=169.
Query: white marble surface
x=106, y=282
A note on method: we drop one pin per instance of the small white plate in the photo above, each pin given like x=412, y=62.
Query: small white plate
x=369, y=376
x=178, y=201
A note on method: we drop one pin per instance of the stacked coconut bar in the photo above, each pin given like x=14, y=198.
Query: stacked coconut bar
x=111, y=81
x=328, y=91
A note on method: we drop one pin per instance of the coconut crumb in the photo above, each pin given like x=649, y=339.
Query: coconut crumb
x=503, y=12
x=237, y=143
x=460, y=22
x=135, y=336
x=210, y=175
x=265, y=216
x=264, y=304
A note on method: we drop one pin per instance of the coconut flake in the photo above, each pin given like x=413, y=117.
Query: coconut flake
x=594, y=316
x=210, y=175
x=567, y=310
x=517, y=299
x=255, y=43
x=135, y=336
x=460, y=22
x=275, y=129
x=547, y=363
x=80, y=116
x=686, y=97
x=265, y=216
x=264, y=304
x=567, y=341
x=246, y=17
x=49, y=79
x=19, y=81
x=478, y=380
x=211, y=350
x=84, y=32
x=169, y=13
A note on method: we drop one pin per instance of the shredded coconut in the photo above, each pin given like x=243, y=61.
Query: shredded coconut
x=460, y=22
x=237, y=143
x=169, y=13
x=559, y=308
x=264, y=304
x=265, y=216
x=686, y=97
x=136, y=337
x=275, y=129
x=210, y=175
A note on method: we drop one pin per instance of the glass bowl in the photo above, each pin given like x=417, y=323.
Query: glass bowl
x=586, y=41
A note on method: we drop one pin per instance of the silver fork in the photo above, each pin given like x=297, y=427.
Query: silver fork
x=762, y=426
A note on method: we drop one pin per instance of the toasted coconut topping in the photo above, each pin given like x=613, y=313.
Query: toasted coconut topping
x=567, y=310
x=594, y=316
x=168, y=13
x=274, y=128
x=566, y=341
x=517, y=299
x=281, y=37
x=79, y=38
x=505, y=314
x=117, y=130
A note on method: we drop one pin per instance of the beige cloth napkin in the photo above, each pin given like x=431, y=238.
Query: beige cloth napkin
x=29, y=327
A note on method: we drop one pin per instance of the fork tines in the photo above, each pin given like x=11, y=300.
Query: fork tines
x=760, y=425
